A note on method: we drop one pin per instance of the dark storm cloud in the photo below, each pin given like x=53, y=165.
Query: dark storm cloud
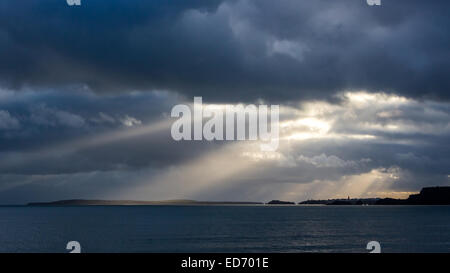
x=228, y=50
x=76, y=119
x=50, y=132
x=31, y=119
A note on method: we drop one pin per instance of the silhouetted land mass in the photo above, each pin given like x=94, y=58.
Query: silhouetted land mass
x=278, y=202
x=341, y=202
x=391, y=201
x=427, y=196
x=82, y=202
x=358, y=201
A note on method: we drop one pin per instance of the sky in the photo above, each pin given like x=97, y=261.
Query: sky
x=86, y=95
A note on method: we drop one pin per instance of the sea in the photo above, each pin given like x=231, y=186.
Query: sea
x=223, y=229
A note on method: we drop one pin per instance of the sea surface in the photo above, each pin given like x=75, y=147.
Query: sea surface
x=225, y=228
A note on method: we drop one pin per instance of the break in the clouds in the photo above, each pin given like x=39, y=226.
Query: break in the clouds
x=229, y=50
x=86, y=94
x=366, y=144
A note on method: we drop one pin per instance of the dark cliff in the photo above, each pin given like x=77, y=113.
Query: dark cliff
x=427, y=196
x=431, y=196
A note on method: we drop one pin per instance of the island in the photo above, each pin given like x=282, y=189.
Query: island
x=278, y=202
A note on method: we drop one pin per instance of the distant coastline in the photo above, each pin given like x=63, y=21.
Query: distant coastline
x=427, y=196
x=86, y=202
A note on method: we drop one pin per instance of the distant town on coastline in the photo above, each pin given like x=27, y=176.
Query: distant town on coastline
x=427, y=196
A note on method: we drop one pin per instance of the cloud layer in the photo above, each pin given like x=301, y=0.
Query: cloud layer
x=86, y=94
x=365, y=145
x=229, y=50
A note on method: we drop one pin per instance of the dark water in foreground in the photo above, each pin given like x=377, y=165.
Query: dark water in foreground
x=225, y=228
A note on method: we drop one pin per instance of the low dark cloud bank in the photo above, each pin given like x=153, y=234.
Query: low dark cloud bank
x=228, y=50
